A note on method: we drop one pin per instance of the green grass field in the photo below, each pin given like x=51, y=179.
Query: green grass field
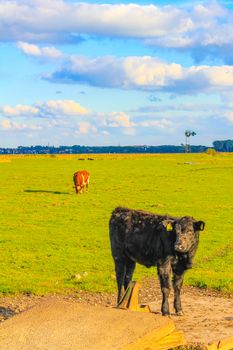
x=54, y=241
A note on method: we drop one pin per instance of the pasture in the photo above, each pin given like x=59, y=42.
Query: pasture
x=54, y=241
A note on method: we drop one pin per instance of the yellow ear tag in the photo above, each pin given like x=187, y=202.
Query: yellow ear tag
x=169, y=227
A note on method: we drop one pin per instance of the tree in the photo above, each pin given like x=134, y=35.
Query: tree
x=223, y=145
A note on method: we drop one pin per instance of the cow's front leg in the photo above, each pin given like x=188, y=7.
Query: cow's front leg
x=178, y=278
x=164, y=272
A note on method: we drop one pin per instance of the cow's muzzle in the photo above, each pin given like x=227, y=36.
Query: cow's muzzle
x=180, y=248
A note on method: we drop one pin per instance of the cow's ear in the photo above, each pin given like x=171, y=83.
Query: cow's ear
x=168, y=225
x=199, y=225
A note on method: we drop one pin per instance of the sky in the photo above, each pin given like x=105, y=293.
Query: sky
x=115, y=72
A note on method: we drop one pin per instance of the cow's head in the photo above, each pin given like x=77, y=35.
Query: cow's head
x=187, y=232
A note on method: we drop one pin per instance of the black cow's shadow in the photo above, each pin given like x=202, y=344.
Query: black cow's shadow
x=6, y=312
x=45, y=191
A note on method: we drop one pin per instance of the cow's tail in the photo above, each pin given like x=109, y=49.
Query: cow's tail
x=74, y=178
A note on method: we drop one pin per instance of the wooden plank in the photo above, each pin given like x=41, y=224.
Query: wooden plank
x=226, y=344
x=151, y=338
x=124, y=302
x=223, y=344
x=133, y=300
x=130, y=299
x=176, y=338
x=212, y=346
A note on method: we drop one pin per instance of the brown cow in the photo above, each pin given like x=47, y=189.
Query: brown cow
x=81, y=179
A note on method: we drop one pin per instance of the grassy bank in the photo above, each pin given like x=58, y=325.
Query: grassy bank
x=52, y=240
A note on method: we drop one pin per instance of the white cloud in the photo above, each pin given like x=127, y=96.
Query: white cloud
x=129, y=131
x=227, y=99
x=118, y=119
x=133, y=72
x=162, y=123
x=53, y=114
x=229, y=116
x=48, y=109
x=34, y=50
x=19, y=110
x=84, y=128
x=148, y=126
x=143, y=73
x=126, y=20
x=61, y=107
x=105, y=133
x=15, y=126
x=199, y=26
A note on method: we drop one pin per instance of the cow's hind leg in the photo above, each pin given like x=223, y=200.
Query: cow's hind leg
x=164, y=272
x=178, y=277
x=120, y=268
x=130, y=267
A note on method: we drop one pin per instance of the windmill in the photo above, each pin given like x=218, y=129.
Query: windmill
x=188, y=133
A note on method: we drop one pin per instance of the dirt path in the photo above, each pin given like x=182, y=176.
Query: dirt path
x=208, y=316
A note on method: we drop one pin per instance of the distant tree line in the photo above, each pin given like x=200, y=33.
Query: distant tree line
x=223, y=146
x=76, y=149
x=219, y=146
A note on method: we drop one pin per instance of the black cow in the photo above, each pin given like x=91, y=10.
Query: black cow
x=167, y=242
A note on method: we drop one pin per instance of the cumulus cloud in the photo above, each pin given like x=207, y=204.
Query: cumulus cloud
x=84, y=128
x=62, y=115
x=229, y=116
x=36, y=51
x=117, y=125
x=144, y=73
x=8, y=125
x=121, y=123
x=120, y=20
x=113, y=121
x=61, y=107
x=46, y=109
x=106, y=124
x=206, y=29
x=118, y=119
x=19, y=110
x=227, y=99
x=133, y=72
x=162, y=123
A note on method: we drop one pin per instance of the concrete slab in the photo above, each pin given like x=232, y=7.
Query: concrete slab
x=62, y=325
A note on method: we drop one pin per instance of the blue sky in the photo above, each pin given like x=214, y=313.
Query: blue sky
x=110, y=72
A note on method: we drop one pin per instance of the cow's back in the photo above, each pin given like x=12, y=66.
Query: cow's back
x=138, y=234
x=129, y=222
x=81, y=177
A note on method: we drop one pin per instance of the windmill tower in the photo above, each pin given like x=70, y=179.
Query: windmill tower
x=187, y=146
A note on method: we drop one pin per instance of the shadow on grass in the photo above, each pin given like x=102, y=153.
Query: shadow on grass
x=45, y=191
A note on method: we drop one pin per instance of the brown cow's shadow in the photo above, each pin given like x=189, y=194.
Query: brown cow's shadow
x=6, y=313
x=45, y=191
